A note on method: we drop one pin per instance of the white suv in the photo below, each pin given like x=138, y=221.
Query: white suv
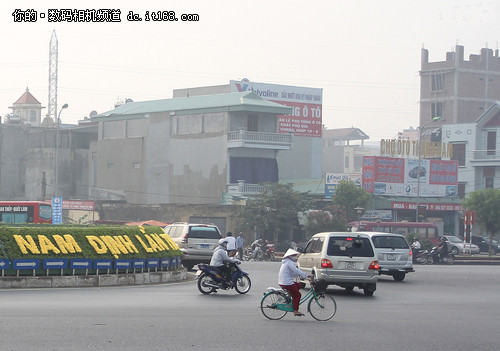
x=196, y=241
x=344, y=259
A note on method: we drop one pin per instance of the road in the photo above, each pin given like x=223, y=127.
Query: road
x=457, y=303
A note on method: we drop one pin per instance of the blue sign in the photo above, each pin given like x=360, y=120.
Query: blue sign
x=123, y=264
x=165, y=262
x=138, y=263
x=26, y=264
x=4, y=263
x=153, y=262
x=57, y=210
x=103, y=264
x=55, y=263
x=80, y=263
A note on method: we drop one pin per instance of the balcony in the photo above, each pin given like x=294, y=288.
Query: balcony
x=260, y=140
x=485, y=158
x=243, y=189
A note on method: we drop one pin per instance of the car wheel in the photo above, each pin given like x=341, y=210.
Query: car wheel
x=454, y=250
x=399, y=276
x=368, y=292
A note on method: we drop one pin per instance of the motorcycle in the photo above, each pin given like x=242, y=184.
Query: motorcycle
x=269, y=252
x=209, y=279
x=434, y=257
x=421, y=256
x=256, y=254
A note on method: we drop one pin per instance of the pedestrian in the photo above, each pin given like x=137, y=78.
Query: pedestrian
x=239, y=245
x=231, y=244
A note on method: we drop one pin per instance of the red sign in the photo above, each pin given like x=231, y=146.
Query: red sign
x=443, y=172
x=389, y=170
x=427, y=206
x=305, y=119
x=368, y=173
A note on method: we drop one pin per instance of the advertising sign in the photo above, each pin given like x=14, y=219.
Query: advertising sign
x=57, y=210
x=306, y=117
x=403, y=177
x=333, y=179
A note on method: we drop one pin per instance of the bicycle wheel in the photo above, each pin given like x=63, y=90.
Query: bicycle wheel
x=243, y=284
x=322, y=307
x=269, y=303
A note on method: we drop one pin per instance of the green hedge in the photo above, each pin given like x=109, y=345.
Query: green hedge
x=99, y=242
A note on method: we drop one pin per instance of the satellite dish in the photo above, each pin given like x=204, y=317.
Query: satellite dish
x=92, y=113
x=127, y=100
x=245, y=80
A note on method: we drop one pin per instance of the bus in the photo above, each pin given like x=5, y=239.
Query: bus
x=425, y=230
x=16, y=212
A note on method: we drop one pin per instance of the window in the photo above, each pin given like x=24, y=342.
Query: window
x=136, y=165
x=436, y=109
x=491, y=142
x=461, y=189
x=458, y=153
x=253, y=123
x=489, y=175
x=349, y=246
x=32, y=116
x=437, y=81
x=346, y=161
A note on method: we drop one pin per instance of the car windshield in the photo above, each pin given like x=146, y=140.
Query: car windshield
x=349, y=246
x=390, y=242
x=454, y=239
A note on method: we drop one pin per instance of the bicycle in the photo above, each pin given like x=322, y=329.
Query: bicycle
x=276, y=303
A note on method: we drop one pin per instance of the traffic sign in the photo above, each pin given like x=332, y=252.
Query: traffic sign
x=26, y=264
x=55, y=263
x=103, y=264
x=80, y=263
x=123, y=264
x=138, y=263
x=153, y=262
x=4, y=263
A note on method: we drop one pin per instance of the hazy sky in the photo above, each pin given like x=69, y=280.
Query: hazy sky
x=364, y=54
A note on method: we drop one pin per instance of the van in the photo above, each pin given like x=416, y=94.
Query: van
x=197, y=242
x=394, y=254
x=344, y=259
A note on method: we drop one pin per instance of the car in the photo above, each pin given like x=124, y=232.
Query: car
x=196, y=241
x=394, y=254
x=484, y=244
x=456, y=245
x=346, y=259
x=417, y=172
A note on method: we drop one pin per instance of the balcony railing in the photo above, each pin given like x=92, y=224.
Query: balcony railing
x=244, y=138
x=486, y=158
x=242, y=189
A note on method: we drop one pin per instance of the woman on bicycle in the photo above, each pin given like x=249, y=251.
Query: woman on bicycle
x=287, y=275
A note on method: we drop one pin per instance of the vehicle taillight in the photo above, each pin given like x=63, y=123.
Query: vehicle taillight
x=185, y=239
x=411, y=252
x=374, y=265
x=326, y=263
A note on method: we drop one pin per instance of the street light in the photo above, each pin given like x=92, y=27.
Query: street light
x=359, y=211
x=421, y=129
x=58, y=122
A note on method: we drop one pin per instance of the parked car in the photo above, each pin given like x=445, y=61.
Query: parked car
x=456, y=245
x=344, y=259
x=196, y=241
x=484, y=244
x=394, y=254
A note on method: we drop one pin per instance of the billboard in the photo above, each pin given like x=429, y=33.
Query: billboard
x=333, y=179
x=307, y=104
x=402, y=177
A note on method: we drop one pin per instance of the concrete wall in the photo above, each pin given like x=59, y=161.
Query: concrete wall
x=13, y=147
x=303, y=161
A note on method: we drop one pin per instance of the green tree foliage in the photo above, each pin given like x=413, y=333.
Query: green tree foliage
x=486, y=203
x=274, y=209
x=349, y=196
x=331, y=218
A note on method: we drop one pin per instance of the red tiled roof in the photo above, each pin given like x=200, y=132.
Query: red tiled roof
x=27, y=98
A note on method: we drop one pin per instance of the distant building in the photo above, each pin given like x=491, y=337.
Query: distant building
x=27, y=109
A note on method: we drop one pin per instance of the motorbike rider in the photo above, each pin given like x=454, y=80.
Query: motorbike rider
x=219, y=257
x=415, y=246
x=442, y=248
x=256, y=246
x=287, y=275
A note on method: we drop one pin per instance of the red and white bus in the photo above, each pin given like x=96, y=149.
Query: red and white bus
x=25, y=212
x=425, y=230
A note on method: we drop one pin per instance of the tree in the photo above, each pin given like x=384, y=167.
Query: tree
x=486, y=203
x=331, y=218
x=274, y=209
x=349, y=196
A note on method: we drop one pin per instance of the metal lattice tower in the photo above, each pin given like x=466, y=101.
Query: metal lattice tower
x=52, y=109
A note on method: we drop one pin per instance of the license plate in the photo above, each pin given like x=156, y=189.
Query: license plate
x=350, y=265
x=204, y=246
x=391, y=257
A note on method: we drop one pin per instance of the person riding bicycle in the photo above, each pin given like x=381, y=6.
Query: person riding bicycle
x=219, y=257
x=287, y=275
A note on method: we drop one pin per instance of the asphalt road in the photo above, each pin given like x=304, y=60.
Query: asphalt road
x=436, y=308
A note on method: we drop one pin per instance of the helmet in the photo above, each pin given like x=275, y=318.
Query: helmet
x=223, y=243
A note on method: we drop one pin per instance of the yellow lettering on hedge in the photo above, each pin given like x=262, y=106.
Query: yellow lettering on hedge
x=46, y=245
x=98, y=245
x=67, y=244
x=169, y=241
x=160, y=242
x=154, y=246
x=129, y=245
x=112, y=245
x=147, y=248
x=26, y=244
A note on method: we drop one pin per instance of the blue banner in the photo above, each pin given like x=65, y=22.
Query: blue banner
x=57, y=210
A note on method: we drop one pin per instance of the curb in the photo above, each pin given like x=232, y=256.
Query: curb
x=87, y=281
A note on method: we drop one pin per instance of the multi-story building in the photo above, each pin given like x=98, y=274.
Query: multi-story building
x=458, y=90
x=197, y=149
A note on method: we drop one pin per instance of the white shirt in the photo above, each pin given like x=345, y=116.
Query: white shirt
x=288, y=272
x=415, y=245
x=219, y=256
x=231, y=242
